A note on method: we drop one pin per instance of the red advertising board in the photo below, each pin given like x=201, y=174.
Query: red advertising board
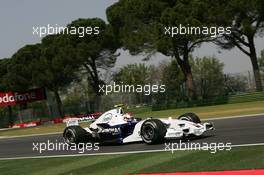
x=13, y=98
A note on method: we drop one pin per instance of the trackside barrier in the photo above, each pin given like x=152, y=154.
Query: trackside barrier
x=80, y=118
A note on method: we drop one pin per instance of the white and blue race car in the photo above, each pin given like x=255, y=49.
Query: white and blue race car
x=119, y=127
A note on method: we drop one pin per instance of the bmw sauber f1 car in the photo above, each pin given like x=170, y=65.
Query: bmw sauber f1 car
x=119, y=127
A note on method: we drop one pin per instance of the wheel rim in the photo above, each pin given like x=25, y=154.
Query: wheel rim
x=69, y=137
x=148, y=132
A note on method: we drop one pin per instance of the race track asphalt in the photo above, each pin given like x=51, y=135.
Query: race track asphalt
x=244, y=130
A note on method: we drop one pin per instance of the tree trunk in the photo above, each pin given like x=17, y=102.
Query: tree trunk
x=98, y=105
x=94, y=81
x=186, y=69
x=189, y=81
x=254, y=62
x=256, y=73
x=59, y=104
x=10, y=116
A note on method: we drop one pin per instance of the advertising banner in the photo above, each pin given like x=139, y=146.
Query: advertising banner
x=13, y=98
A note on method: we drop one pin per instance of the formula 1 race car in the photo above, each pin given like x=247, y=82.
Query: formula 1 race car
x=119, y=127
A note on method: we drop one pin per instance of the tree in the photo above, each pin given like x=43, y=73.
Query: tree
x=19, y=75
x=261, y=61
x=137, y=74
x=173, y=79
x=56, y=66
x=133, y=74
x=140, y=26
x=77, y=98
x=261, y=64
x=236, y=83
x=4, y=64
x=247, y=21
x=96, y=52
x=3, y=71
x=208, y=77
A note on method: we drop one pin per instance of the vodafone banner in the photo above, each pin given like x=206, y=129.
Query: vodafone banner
x=13, y=98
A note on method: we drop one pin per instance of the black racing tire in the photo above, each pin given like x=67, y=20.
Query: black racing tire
x=192, y=117
x=153, y=131
x=75, y=135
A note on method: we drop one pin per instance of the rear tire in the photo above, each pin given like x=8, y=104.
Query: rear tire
x=75, y=134
x=153, y=131
x=192, y=117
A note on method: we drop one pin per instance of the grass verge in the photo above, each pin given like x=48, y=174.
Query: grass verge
x=203, y=112
x=236, y=159
x=210, y=111
x=36, y=130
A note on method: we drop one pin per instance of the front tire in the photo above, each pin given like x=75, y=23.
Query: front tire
x=192, y=117
x=74, y=134
x=153, y=131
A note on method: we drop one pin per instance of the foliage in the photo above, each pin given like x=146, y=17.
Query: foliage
x=261, y=61
x=247, y=21
x=208, y=77
x=138, y=74
x=175, y=91
x=5, y=86
x=135, y=74
x=236, y=84
x=56, y=66
x=97, y=52
x=4, y=64
x=19, y=75
x=140, y=26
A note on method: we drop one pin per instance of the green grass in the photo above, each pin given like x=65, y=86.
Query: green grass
x=210, y=111
x=236, y=159
x=145, y=112
x=246, y=97
x=36, y=130
x=238, y=98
